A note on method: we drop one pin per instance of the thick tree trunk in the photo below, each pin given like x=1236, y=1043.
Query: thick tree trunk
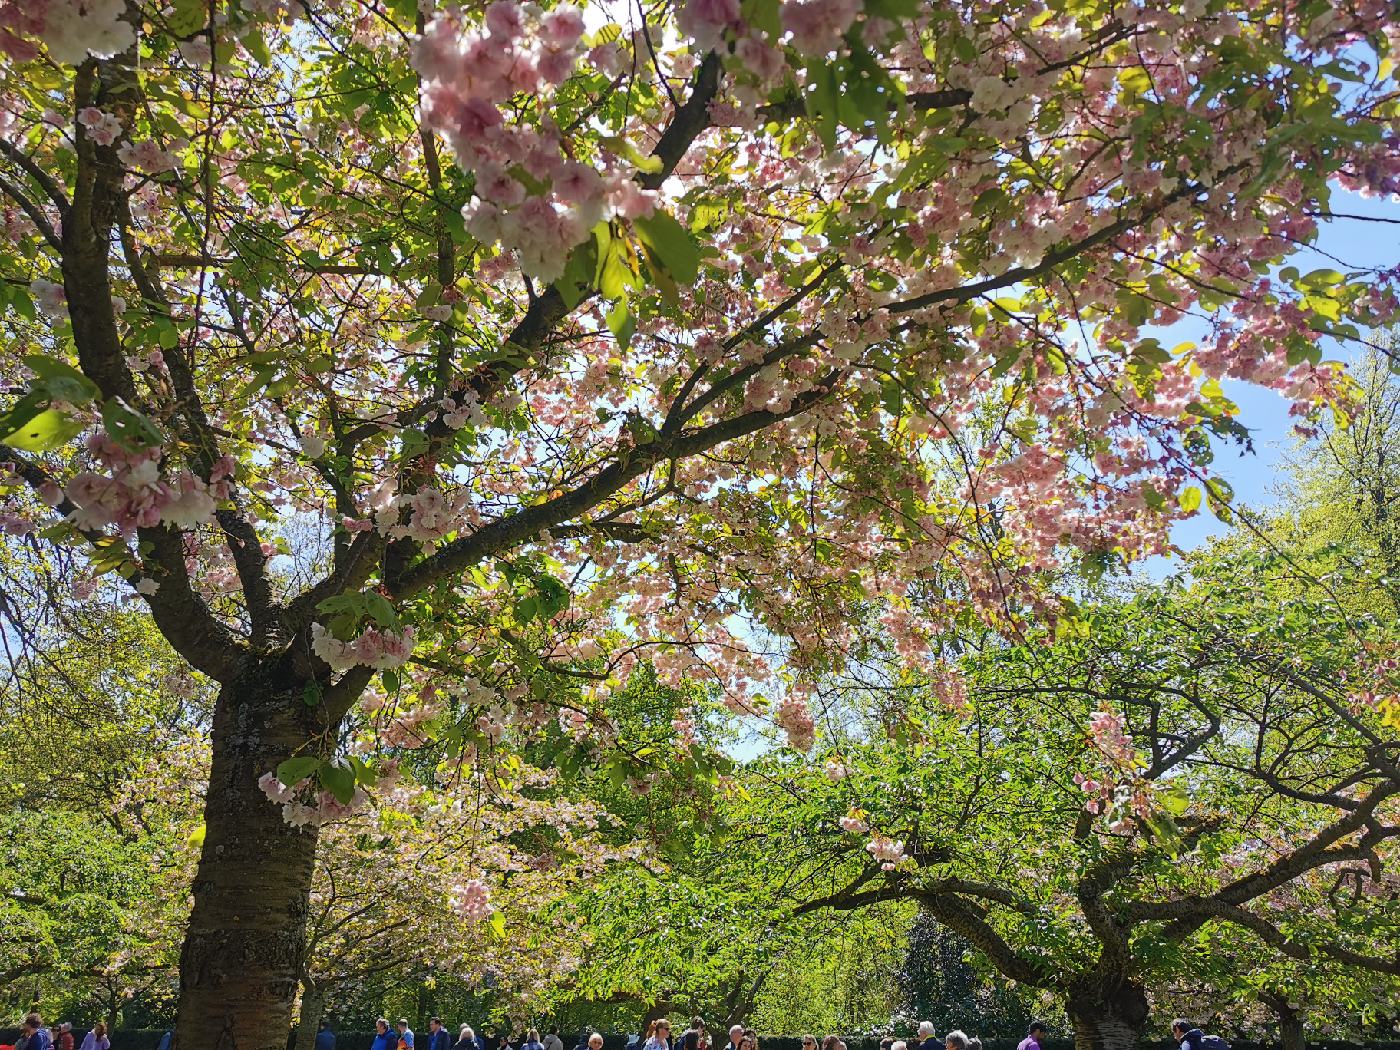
x=1108, y=1017
x=242, y=957
x=313, y=1008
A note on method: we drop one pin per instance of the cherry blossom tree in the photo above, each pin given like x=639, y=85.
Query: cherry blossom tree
x=494, y=351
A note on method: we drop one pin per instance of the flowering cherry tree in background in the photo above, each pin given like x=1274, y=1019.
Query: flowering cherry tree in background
x=491, y=355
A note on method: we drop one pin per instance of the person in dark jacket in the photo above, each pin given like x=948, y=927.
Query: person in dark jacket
x=438, y=1039
x=39, y=1038
x=928, y=1037
x=383, y=1038
x=325, y=1038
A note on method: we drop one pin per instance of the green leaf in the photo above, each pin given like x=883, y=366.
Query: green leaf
x=338, y=780
x=129, y=429
x=672, y=243
x=380, y=610
x=60, y=380
x=294, y=770
x=1190, y=499
x=1175, y=800
x=257, y=47
x=45, y=429
x=1323, y=278
x=390, y=678
x=621, y=323
x=619, y=146
x=187, y=17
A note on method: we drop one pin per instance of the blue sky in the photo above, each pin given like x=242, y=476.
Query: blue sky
x=1355, y=245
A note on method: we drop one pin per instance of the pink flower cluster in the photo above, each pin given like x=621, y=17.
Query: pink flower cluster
x=530, y=196
x=148, y=156
x=835, y=770
x=951, y=688
x=70, y=29
x=384, y=650
x=795, y=719
x=886, y=850
x=317, y=809
x=817, y=25
x=133, y=494
x=102, y=128
x=472, y=901
x=854, y=822
x=1109, y=733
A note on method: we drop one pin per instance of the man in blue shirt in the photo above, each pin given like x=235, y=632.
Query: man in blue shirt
x=438, y=1039
x=325, y=1038
x=405, y=1034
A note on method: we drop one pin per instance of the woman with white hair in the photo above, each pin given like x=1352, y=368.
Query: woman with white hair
x=956, y=1040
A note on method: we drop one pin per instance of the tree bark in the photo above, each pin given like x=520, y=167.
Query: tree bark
x=1108, y=1016
x=1290, y=1022
x=242, y=957
x=313, y=1008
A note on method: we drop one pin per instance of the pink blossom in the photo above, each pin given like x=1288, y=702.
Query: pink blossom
x=705, y=21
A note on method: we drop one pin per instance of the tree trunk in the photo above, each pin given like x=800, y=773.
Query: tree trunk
x=1290, y=1022
x=313, y=1008
x=1108, y=1017
x=242, y=957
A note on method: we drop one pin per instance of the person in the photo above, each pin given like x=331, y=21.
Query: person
x=899, y=1044
x=64, y=1039
x=405, y=1035
x=928, y=1037
x=532, y=1040
x=831, y=1042
x=438, y=1039
x=595, y=1041
x=887, y=1043
x=748, y=1041
x=383, y=1038
x=1034, y=1035
x=325, y=1038
x=504, y=1042
x=466, y=1039
x=689, y=1040
x=809, y=1042
x=165, y=1040
x=1192, y=1038
x=956, y=1040
x=552, y=1040
x=97, y=1038
x=39, y=1038
x=974, y=1044
x=736, y=1033
x=658, y=1035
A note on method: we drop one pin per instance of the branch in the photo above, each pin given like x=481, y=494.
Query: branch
x=181, y=615
x=630, y=464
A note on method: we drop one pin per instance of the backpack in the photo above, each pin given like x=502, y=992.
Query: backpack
x=1213, y=1042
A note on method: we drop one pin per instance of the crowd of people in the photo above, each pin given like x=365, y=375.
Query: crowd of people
x=659, y=1036
x=34, y=1035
